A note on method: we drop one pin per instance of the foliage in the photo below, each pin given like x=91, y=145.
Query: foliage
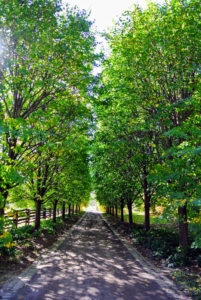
x=190, y=282
x=50, y=226
x=7, y=246
x=199, y=261
x=21, y=233
x=162, y=241
x=46, y=75
x=179, y=258
x=147, y=143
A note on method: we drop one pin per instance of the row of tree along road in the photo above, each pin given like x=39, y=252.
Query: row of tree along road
x=46, y=60
x=147, y=145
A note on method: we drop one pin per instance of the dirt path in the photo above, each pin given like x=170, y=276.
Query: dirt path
x=90, y=264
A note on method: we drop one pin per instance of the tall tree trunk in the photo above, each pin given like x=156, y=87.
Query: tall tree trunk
x=147, y=212
x=69, y=210
x=63, y=211
x=54, y=216
x=116, y=210
x=38, y=211
x=130, y=215
x=147, y=199
x=44, y=213
x=1, y=211
x=122, y=210
x=73, y=209
x=183, y=226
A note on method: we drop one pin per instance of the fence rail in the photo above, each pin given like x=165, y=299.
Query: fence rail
x=27, y=216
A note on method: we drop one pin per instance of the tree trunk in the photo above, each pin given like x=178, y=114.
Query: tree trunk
x=130, y=215
x=54, y=216
x=69, y=210
x=63, y=211
x=147, y=212
x=44, y=213
x=122, y=211
x=183, y=226
x=1, y=211
x=116, y=210
x=38, y=211
x=73, y=209
x=147, y=200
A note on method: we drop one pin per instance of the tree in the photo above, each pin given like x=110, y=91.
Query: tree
x=45, y=55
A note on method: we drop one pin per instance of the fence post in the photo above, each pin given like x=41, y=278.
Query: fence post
x=28, y=217
x=15, y=218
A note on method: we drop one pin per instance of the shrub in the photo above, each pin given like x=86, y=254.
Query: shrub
x=22, y=232
x=199, y=261
x=179, y=258
x=7, y=246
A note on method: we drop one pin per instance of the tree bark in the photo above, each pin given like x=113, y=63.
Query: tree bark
x=63, y=211
x=116, y=210
x=130, y=215
x=147, y=199
x=122, y=211
x=54, y=216
x=1, y=211
x=44, y=213
x=73, y=209
x=38, y=211
x=69, y=210
x=147, y=212
x=183, y=226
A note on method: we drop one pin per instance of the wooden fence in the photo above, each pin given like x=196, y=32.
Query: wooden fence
x=27, y=216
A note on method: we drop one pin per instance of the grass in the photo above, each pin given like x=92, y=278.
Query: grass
x=138, y=218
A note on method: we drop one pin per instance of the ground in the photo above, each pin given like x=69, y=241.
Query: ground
x=186, y=278
x=29, y=250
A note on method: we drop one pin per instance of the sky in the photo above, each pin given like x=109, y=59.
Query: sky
x=105, y=11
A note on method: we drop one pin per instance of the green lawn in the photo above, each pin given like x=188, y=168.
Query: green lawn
x=138, y=217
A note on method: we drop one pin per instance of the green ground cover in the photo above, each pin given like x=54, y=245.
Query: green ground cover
x=138, y=218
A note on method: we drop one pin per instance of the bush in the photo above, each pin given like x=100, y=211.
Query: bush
x=50, y=226
x=199, y=261
x=7, y=246
x=178, y=259
x=22, y=232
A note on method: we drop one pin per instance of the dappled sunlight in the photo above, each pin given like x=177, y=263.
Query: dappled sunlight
x=91, y=264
